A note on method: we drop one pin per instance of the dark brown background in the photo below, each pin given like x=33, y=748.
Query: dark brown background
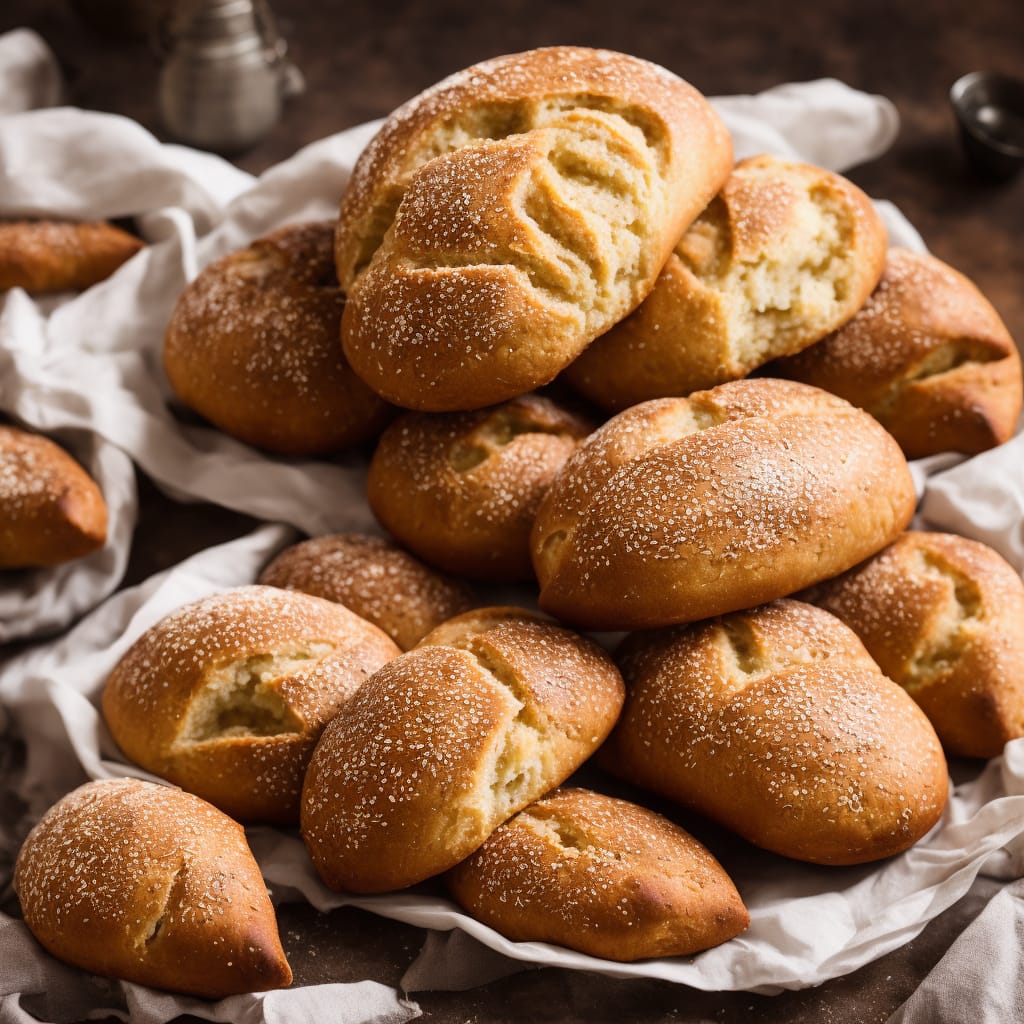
x=362, y=59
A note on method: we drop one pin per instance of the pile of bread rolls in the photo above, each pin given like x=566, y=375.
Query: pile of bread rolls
x=797, y=661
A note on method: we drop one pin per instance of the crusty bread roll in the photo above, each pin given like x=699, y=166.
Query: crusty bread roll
x=462, y=489
x=678, y=509
x=776, y=723
x=944, y=617
x=927, y=356
x=54, y=256
x=600, y=875
x=374, y=578
x=133, y=880
x=783, y=255
x=227, y=696
x=504, y=218
x=492, y=710
x=252, y=346
x=51, y=510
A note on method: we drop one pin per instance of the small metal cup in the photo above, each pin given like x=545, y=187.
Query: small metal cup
x=990, y=110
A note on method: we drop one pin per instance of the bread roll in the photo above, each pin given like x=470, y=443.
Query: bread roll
x=227, y=696
x=783, y=255
x=600, y=875
x=55, y=256
x=927, y=356
x=51, y=510
x=678, y=509
x=944, y=617
x=252, y=346
x=462, y=489
x=133, y=880
x=504, y=218
x=777, y=724
x=373, y=578
x=492, y=710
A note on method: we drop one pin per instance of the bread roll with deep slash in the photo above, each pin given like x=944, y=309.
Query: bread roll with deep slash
x=777, y=724
x=137, y=881
x=507, y=216
x=679, y=509
x=491, y=711
x=227, y=696
x=601, y=875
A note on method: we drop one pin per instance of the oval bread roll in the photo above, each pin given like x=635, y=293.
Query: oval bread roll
x=504, y=218
x=783, y=255
x=944, y=617
x=492, y=710
x=227, y=696
x=777, y=724
x=133, y=880
x=600, y=875
x=679, y=509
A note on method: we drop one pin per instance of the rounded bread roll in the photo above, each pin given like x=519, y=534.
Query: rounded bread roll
x=927, y=356
x=492, y=710
x=601, y=875
x=504, y=218
x=944, y=617
x=777, y=724
x=462, y=489
x=51, y=510
x=783, y=255
x=252, y=346
x=227, y=696
x=678, y=509
x=137, y=881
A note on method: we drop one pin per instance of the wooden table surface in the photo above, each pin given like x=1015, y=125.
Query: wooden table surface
x=360, y=60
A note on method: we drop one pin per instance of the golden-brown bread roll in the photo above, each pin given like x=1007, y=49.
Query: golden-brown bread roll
x=227, y=696
x=491, y=711
x=54, y=256
x=462, y=489
x=51, y=510
x=678, y=509
x=776, y=723
x=927, y=356
x=137, y=881
x=252, y=346
x=374, y=578
x=944, y=617
x=601, y=875
x=505, y=217
x=783, y=255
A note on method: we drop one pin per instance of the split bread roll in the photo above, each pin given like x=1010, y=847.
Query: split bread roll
x=462, y=489
x=927, y=356
x=137, y=881
x=252, y=346
x=600, y=875
x=51, y=510
x=777, y=724
x=491, y=711
x=506, y=217
x=227, y=696
x=944, y=617
x=783, y=255
x=54, y=256
x=375, y=579
x=679, y=509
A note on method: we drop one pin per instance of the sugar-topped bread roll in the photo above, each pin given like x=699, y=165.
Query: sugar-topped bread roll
x=507, y=216
x=491, y=711
x=601, y=875
x=682, y=508
x=777, y=724
x=783, y=255
x=227, y=696
x=137, y=881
